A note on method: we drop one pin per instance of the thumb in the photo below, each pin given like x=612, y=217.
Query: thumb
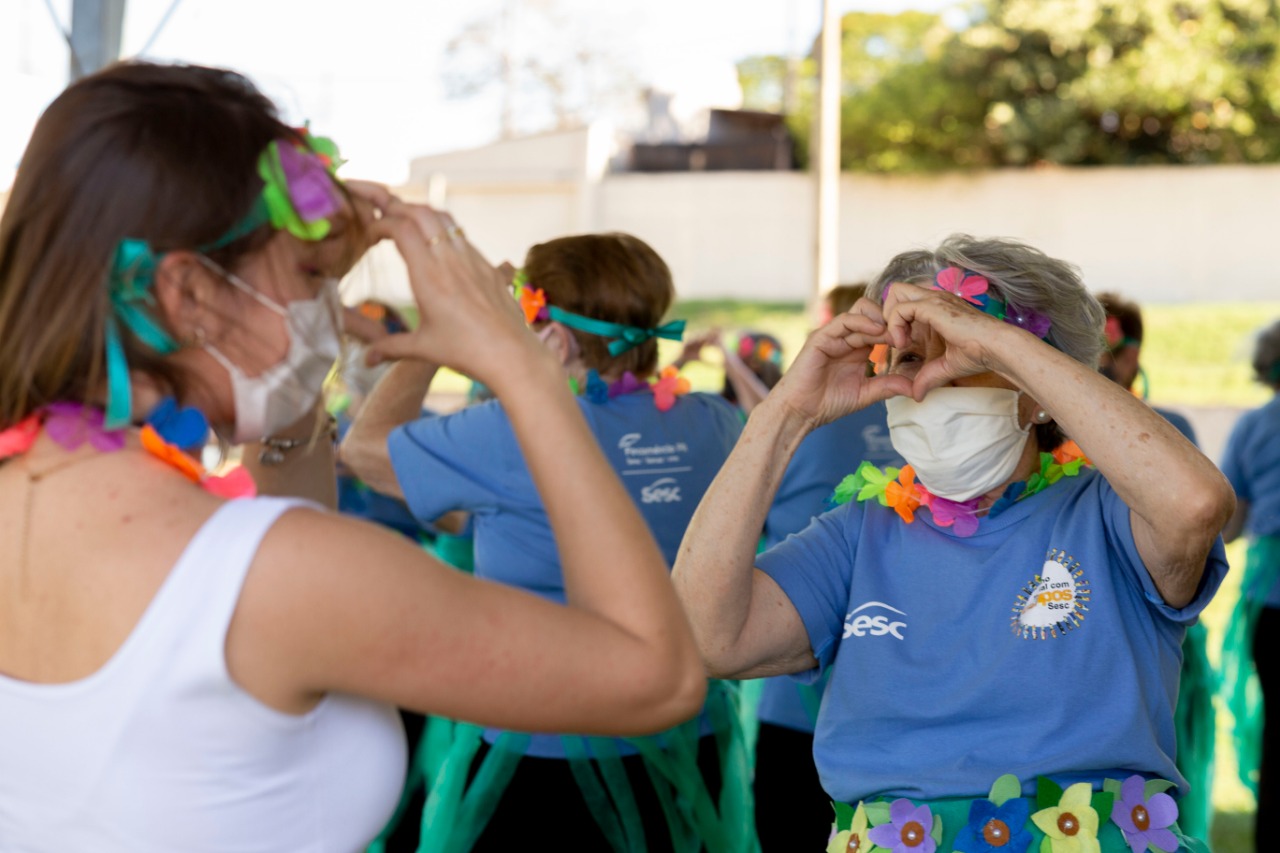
x=392, y=348
x=889, y=385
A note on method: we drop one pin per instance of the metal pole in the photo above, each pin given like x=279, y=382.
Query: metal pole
x=826, y=159
x=95, y=34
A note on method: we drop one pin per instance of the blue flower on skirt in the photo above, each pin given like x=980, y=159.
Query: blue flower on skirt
x=996, y=829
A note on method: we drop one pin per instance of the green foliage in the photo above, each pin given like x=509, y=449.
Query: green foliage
x=1073, y=82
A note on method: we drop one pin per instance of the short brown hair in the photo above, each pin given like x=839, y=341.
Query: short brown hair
x=841, y=297
x=617, y=278
x=1127, y=314
x=165, y=154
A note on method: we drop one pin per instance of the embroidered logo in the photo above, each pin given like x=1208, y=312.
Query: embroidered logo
x=858, y=624
x=1056, y=600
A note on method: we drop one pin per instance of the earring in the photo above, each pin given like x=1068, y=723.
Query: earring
x=196, y=338
x=1042, y=417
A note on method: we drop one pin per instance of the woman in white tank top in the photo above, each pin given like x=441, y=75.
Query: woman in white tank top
x=182, y=672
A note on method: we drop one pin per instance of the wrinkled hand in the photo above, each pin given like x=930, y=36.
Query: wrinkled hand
x=828, y=378
x=468, y=319
x=955, y=338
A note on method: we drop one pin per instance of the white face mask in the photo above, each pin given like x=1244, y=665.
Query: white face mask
x=284, y=392
x=962, y=442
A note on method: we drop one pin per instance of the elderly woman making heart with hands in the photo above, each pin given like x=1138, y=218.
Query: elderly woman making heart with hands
x=1002, y=616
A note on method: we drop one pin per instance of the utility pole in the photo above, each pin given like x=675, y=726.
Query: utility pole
x=96, y=26
x=826, y=156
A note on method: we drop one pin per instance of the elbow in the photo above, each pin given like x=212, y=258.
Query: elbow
x=1212, y=509
x=361, y=455
x=666, y=698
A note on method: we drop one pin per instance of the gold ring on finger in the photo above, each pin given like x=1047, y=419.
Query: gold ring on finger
x=455, y=233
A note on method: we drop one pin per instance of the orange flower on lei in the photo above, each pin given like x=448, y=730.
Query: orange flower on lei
x=903, y=494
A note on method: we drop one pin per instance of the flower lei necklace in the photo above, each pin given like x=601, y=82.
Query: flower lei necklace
x=168, y=429
x=666, y=387
x=896, y=488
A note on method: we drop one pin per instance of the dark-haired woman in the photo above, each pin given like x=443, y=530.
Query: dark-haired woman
x=183, y=672
x=1002, y=622
x=597, y=302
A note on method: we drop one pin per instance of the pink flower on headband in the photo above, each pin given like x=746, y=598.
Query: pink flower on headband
x=1114, y=332
x=967, y=286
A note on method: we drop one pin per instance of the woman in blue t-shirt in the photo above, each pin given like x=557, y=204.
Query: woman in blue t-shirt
x=1001, y=620
x=597, y=302
x=1252, y=464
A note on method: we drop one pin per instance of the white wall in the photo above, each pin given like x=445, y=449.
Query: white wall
x=1157, y=234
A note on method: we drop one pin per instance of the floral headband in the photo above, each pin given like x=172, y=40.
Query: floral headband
x=533, y=301
x=300, y=194
x=759, y=347
x=976, y=290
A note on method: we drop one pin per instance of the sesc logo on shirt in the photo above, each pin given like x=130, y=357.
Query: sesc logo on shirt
x=664, y=491
x=873, y=623
x=1056, y=600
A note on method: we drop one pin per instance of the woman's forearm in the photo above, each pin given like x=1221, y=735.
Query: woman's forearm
x=395, y=400
x=714, y=572
x=1178, y=497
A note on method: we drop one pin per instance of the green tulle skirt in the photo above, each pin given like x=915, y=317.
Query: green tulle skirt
x=1240, y=678
x=458, y=809
x=1194, y=723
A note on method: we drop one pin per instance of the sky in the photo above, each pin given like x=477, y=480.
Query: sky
x=372, y=73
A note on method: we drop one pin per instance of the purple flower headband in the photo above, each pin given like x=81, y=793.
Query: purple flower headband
x=976, y=290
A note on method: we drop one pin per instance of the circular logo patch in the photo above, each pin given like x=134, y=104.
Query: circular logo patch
x=1055, y=602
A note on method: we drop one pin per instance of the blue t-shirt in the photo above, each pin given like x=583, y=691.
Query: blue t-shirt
x=1038, y=646
x=820, y=462
x=471, y=461
x=1252, y=465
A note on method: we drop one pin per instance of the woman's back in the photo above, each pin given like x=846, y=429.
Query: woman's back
x=159, y=747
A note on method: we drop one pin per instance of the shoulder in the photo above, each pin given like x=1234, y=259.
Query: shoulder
x=473, y=424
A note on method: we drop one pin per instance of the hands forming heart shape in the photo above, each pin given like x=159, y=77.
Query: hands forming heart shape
x=934, y=336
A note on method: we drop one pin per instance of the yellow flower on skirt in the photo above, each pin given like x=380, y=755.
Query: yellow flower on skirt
x=1072, y=825
x=854, y=839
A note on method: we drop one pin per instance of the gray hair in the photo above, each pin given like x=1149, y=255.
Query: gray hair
x=1266, y=356
x=1020, y=275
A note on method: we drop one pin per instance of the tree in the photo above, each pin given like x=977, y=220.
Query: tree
x=1060, y=81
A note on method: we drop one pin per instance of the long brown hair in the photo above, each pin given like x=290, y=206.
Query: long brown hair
x=613, y=277
x=166, y=154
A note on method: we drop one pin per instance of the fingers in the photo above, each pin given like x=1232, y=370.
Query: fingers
x=393, y=347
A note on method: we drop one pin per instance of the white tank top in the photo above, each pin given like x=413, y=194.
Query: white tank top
x=159, y=750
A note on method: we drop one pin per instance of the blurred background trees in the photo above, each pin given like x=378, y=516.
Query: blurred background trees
x=1022, y=82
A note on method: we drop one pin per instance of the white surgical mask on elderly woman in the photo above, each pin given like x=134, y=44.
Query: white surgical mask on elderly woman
x=284, y=392
x=962, y=442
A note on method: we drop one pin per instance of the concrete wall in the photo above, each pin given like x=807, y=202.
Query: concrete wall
x=1157, y=234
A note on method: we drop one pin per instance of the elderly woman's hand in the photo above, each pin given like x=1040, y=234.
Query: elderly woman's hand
x=943, y=336
x=829, y=377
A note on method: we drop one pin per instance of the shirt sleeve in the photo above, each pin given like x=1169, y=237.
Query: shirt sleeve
x=1119, y=524
x=814, y=568
x=1233, y=458
x=468, y=460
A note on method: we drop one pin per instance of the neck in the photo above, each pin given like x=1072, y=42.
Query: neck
x=1027, y=465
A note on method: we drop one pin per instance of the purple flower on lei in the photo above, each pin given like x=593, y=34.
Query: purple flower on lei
x=1145, y=820
x=72, y=424
x=628, y=384
x=961, y=516
x=996, y=829
x=311, y=189
x=908, y=830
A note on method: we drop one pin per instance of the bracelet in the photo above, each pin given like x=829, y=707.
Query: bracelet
x=274, y=449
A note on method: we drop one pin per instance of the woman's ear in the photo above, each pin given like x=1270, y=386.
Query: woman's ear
x=185, y=291
x=560, y=340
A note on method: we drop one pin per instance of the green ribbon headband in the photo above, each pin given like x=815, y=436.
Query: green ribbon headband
x=623, y=338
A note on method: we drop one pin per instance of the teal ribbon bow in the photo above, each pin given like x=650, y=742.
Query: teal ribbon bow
x=623, y=338
x=133, y=272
